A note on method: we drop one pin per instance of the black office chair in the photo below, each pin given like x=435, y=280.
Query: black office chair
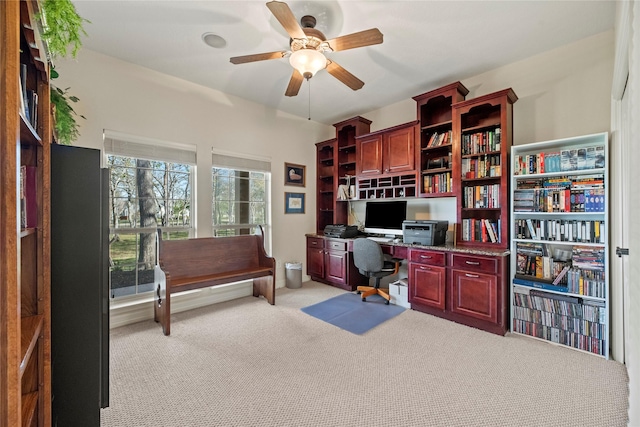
x=371, y=262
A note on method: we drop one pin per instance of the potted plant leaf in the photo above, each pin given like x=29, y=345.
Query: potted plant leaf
x=63, y=29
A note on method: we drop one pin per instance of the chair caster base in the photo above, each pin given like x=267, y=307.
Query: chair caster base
x=386, y=302
x=364, y=299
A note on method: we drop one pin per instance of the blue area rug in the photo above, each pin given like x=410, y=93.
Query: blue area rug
x=349, y=312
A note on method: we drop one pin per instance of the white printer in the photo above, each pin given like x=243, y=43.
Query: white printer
x=425, y=232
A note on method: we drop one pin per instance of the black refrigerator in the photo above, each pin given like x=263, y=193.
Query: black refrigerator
x=79, y=286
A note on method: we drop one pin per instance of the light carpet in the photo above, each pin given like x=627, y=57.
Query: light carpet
x=247, y=363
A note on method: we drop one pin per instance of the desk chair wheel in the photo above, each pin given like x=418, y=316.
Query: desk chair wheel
x=386, y=302
x=364, y=298
x=358, y=292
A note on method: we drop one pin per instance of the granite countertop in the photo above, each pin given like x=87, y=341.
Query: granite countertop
x=448, y=247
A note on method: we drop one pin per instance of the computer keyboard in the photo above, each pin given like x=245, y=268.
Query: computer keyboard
x=380, y=239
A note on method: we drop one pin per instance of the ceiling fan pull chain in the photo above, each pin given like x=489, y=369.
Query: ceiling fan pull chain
x=309, y=88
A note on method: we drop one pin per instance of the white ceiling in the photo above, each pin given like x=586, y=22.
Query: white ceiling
x=427, y=44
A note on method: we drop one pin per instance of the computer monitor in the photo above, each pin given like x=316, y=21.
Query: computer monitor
x=385, y=217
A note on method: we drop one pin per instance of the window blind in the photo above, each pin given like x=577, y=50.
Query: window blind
x=240, y=163
x=143, y=148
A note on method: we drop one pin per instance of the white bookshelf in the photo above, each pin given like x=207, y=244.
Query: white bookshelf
x=550, y=234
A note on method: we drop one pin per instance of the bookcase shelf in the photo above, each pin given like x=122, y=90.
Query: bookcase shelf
x=25, y=271
x=482, y=138
x=435, y=147
x=560, y=247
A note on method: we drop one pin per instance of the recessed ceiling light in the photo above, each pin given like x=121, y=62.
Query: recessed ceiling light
x=214, y=40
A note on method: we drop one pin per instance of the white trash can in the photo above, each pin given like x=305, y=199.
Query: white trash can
x=293, y=274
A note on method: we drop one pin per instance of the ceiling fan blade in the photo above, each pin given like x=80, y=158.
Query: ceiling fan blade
x=294, y=83
x=344, y=76
x=289, y=22
x=361, y=39
x=256, y=57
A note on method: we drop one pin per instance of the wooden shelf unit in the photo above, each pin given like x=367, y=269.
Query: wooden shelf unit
x=482, y=134
x=25, y=331
x=434, y=155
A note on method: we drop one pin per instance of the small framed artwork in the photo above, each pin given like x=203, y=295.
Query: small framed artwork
x=294, y=174
x=294, y=203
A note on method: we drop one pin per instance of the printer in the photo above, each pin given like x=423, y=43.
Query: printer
x=424, y=232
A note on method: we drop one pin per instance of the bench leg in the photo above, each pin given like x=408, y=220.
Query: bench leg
x=265, y=286
x=161, y=310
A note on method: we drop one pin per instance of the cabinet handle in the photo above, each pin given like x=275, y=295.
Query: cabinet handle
x=424, y=268
x=472, y=262
x=425, y=256
x=475, y=276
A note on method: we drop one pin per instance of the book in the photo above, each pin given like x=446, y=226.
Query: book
x=28, y=202
x=538, y=284
x=599, y=157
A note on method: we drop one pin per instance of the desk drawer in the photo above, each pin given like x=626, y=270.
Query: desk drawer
x=315, y=242
x=475, y=263
x=336, y=245
x=427, y=257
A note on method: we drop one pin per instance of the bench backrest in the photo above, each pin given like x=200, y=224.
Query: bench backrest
x=211, y=255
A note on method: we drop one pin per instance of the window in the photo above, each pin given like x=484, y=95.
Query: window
x=241, y=189
x=147, y=190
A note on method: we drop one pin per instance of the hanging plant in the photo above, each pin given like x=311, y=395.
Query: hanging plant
x=66, y=126
x=63, y=27
x=62, y=32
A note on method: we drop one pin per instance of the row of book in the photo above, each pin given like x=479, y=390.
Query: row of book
x=559, y=161
x=481, y=142
x=565, y=305
x=486, y=166
x=29, y=100
x=566, y=323
x=562, y=319
x=559, y=200
x=438, y=183
x=591, y=344
x=481, y=230
x=561, y=230
x=438, y=139
x=481, y=196
x=28, y=203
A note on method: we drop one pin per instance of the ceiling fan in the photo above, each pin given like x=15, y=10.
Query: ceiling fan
x=308, y=46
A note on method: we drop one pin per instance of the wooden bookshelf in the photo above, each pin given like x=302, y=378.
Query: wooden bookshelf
x=482, y=136
x=25, y=137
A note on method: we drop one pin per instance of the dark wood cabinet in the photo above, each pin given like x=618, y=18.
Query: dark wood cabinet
x=434, y=157
x=325, y=184
x=427, y=278
x=482, y=138
x=387, y=151
x=330, y=261
x=474, y=294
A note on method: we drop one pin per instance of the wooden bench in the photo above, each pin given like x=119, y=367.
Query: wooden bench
x=189, y=264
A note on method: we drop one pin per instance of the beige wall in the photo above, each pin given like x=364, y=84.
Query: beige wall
x=126, y=98
x=561, y=93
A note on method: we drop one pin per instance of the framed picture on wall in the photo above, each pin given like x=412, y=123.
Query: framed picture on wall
x=294, y=203
x=294, y=174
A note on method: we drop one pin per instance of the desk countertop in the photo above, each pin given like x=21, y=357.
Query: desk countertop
x=449, y=247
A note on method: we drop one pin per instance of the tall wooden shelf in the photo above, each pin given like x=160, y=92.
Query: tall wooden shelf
x=434, y=149
x=482, y=138
x=25, y=331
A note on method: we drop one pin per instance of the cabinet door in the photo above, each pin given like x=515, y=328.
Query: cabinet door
x=335, y=266
x=474, y=295
x=399, y=154
x=427, y=285
x=315, y=257
x=369, y=155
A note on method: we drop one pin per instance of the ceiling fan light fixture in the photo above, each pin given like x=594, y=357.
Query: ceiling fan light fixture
x=214, y=40
x=308, y=62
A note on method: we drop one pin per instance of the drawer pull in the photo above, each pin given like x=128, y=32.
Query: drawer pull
x=475, y=276
x=425, y=256
x=424, y=268
x=472, y=262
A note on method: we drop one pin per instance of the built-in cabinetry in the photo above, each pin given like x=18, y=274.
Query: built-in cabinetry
x=385, y=164
x=560, y=247
x=434, y=147
x=482, y=137
x=335, y=167
x=25, y=138
x=463, y=287
x=330, y=261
